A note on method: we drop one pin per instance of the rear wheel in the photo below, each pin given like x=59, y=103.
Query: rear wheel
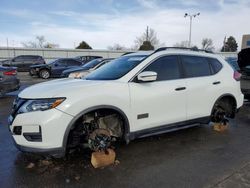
x=44, y=73
x=223, y=109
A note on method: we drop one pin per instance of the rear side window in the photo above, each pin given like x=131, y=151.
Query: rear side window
x=215, y=65
x=167, y=68
x=195, y=66
x=72, y=62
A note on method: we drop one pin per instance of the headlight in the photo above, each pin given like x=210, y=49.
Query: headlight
x=40, y=105
x=76, y=75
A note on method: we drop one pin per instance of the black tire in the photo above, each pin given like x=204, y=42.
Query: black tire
x=44, y=74
x=223, y=109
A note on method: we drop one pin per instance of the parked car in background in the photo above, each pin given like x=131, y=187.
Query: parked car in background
x=81, y=72
x=23, y=62
x=54, y=68
x=8, y=80
x=244, y=64
x=87, y=58
x=233, y=61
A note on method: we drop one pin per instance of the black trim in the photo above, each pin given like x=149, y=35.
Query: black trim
x=55, y=152
x=142, y=116
x=34, y=137
x=169, y=128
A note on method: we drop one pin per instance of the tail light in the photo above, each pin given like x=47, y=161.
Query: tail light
x=237, y=75
x=10, y=73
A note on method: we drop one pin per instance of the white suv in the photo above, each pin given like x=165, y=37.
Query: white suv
x=136, y=95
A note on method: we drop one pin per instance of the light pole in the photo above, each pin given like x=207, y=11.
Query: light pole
x=191, y=16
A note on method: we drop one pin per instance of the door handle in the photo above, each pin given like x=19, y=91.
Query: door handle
x=180, y=88
x=216, y=83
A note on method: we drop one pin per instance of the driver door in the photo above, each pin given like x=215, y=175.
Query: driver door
x=161, y=102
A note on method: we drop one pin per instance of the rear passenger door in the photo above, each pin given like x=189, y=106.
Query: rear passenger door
x=18, y=62
x=161, y=102
x=203, y=84
x=58, y=67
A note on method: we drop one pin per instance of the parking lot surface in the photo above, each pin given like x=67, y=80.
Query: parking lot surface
x=195, y=157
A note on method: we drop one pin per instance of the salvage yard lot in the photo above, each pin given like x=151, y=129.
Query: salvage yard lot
x=195, y=157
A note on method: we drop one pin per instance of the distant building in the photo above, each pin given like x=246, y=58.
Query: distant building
x=245, y=42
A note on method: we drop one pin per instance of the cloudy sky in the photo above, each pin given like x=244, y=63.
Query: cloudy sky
x=105, y=22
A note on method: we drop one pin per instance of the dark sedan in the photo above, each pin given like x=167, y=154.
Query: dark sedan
x=82, y=71
x=23, y=62
x=8, y=80
x=54, y=68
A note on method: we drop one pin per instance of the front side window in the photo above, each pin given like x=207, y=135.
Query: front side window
x=167, y=68
x=116, y=68
x=195, y=66
x=60, y=62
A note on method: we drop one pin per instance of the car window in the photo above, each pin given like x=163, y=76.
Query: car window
x=233, y=62
x=61, y=62
x=18, y=59
x=216, y=65
x=92, y=63
x=72, y=62
x=116, y=68
x=167, y=68
x=195, y=66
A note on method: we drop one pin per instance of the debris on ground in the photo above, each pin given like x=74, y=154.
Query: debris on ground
x=77, y=178
x=103, y=158
x=30, y=165
x=220, y=127
x=117, y=162
x=67, y=180
x=45, y=162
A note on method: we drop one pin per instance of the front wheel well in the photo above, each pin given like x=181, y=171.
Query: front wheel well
x=97, y=118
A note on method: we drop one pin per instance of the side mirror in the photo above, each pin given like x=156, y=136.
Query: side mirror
x=147, y=76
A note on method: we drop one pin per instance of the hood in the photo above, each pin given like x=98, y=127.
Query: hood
x=57, y=88
x=76, y=69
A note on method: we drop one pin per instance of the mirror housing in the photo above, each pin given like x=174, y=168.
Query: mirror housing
x=147, y=76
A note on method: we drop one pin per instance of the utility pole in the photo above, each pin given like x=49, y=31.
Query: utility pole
x=191, y=16
x=147, y=34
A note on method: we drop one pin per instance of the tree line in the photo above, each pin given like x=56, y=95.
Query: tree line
x=147, y=41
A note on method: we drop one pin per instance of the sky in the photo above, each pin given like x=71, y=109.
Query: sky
x=103, y=23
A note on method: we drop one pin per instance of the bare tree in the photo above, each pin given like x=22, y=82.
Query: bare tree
x=117, y=47
x=149, y=35
x=39, y=42
x=207, y=44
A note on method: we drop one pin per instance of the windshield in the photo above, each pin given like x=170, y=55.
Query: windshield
x=116, y=68
x=92, y=63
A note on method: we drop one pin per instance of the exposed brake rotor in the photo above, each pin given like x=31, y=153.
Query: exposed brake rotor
x=99, y=140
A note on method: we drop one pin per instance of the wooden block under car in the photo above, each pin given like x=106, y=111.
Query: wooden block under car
x=101, y=159
x=219, y=127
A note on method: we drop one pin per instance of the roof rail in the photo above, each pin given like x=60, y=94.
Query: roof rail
x=182, y=48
